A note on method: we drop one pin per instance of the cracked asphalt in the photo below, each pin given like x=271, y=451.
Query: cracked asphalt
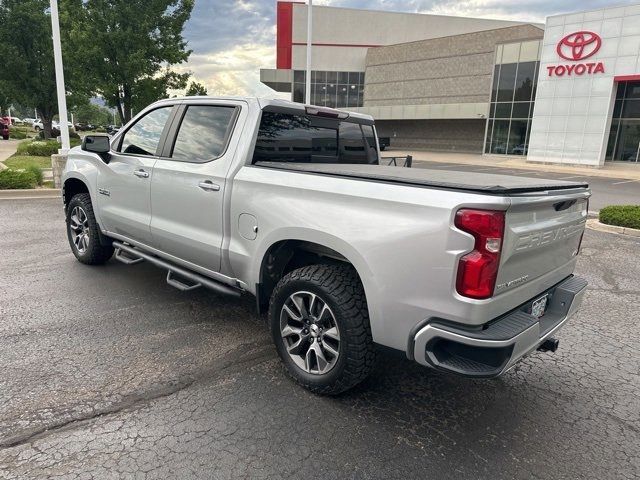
x=107, y=372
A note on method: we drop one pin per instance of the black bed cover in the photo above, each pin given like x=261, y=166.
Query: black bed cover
x=446, y=179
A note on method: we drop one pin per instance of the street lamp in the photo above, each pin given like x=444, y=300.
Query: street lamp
x=307, y=86
x=62, y=99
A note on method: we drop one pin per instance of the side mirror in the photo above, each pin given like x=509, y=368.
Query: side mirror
x=97, y=144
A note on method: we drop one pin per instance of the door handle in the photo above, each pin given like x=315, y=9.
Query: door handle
x=141, y=173
x=209, y=186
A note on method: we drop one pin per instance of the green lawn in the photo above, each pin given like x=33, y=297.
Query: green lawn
x=23, y=161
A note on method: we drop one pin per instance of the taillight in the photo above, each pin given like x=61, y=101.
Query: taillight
x=478, y=270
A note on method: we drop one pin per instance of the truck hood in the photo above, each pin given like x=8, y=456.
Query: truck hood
x=446, y=179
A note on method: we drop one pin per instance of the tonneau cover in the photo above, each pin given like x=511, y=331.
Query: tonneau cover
x=446, y=179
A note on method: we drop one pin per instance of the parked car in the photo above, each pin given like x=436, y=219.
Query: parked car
x=28, y=121
x=384, y=142
x=463, y=273
x=112, y=129
x=37, y=125
x=84, y=127
x=4, y=128
x=16, y=121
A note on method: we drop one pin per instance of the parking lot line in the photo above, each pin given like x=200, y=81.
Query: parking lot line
x=624, y=181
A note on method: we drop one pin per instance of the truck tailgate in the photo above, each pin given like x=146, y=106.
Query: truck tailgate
x=542, y=234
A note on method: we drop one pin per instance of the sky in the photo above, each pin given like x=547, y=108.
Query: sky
x=232, y=39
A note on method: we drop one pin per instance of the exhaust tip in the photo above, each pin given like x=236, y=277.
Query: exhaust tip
x=549, y=345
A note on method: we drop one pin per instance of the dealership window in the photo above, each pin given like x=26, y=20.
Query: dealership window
x=624, y=136
x=512, y=95
x=330, y=89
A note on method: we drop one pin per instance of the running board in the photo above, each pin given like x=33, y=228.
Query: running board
x=134, y=255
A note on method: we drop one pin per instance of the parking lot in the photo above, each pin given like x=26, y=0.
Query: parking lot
x=107, y=372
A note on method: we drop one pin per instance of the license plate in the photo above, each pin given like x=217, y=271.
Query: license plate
x=539, y=306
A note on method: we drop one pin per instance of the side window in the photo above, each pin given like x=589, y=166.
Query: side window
x=284, y=137
x=143, y=137
x=203, y=133
x=352, y=147
x=370, y=137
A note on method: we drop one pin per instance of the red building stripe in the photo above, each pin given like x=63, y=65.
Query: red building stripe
x=627, y=78
x=319, y=44
x=284, y=34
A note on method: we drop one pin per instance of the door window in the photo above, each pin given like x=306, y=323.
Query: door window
x=143, y=137
x=203, y=133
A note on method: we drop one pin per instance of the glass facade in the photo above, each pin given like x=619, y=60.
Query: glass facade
x=330, y=89
x=512, y=94
x=624, y=136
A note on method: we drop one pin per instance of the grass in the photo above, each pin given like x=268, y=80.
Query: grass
x=621, y=215
x=21, y=162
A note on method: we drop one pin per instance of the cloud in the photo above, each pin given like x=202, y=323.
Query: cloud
x=232, y=39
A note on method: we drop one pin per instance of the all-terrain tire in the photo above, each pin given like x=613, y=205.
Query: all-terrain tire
x=93, y=252
x=339, y=287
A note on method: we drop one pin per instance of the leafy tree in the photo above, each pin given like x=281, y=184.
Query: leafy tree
x=26, y=51
x=91, y=113
x=196, y=89
x=126, y=48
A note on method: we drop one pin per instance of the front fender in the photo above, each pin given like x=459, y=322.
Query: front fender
x=84, y=166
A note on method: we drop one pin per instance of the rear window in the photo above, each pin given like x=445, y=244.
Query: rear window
x=285, y=137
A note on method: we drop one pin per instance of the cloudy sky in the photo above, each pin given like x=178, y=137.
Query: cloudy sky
x=232, y=39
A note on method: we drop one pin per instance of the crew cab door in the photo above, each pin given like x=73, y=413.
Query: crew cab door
x=189, y=181
x=124, y=186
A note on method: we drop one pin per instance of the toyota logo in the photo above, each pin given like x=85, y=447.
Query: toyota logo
x=579, y=45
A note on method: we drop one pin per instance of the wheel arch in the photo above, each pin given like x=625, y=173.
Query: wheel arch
x=72, y=186
x=282, y=255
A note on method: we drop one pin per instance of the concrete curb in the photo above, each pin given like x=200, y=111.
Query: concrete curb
x=594, y=224
x=30, y=193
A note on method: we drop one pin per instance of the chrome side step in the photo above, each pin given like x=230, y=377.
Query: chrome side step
x=131, y=255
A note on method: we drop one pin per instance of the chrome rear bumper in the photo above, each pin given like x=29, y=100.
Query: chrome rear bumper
x=493, y=349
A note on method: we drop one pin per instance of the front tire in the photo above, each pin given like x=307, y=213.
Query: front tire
x=320, y=325
x=83, y=232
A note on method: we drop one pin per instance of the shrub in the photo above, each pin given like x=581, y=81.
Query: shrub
x=13, y=179
x=18, y=133
x=37, y=173
x=101, y=130
x=621, y=215
x=42, y=148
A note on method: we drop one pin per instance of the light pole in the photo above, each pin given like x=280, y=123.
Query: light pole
x=307, y=86
x=62, y=99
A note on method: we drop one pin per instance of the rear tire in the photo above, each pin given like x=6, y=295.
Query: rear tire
x=83, y=232
x=326, y=306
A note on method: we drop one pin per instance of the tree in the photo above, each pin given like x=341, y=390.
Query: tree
x=91, y=113
x=26, y=51
x=126, y=48
x=196, y=89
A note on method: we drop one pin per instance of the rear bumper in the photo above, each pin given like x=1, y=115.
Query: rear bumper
x=492, y=349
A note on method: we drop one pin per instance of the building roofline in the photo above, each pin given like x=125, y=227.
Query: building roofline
x=396, y=12
x=609, y=7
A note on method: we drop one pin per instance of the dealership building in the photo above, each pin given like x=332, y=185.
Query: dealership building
x=567, y=91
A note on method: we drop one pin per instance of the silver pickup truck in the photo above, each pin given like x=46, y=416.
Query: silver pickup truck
x=464, y=273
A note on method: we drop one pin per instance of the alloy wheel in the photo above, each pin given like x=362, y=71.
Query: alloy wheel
x=79, y=228
x=310, y=332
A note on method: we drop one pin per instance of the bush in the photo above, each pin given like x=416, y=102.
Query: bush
x=37, y=173
x=621, y=215
x=42, y=148
x=101, y=130
x=12, y=179
x=18, y=133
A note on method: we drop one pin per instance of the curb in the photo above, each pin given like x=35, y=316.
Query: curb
x=594, y=224
x=30, y=193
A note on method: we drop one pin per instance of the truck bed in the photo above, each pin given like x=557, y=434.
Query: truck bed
x=486, y=183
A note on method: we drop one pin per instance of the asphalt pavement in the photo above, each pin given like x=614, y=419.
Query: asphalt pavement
x=107, y=372
x=606, y=191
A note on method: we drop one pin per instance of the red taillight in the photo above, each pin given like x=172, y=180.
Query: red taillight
x=478, y=270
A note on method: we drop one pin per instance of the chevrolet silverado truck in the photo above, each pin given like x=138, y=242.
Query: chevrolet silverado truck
x=464, y=273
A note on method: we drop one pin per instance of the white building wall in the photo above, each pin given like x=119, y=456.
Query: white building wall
x=346, y=26
x=572, y=114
